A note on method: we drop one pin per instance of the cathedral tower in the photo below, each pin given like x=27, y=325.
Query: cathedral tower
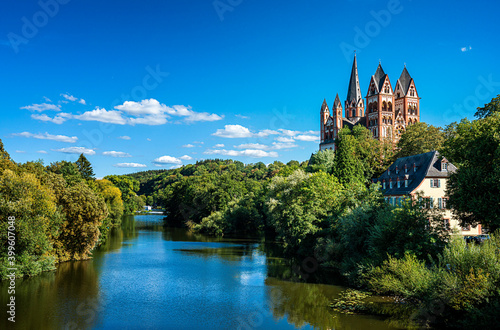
x=354, y=105
x=380, y=106
x=407, y=103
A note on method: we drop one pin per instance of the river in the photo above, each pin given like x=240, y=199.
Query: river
x=150, y=277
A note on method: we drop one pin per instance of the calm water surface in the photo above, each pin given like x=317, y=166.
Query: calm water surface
x=149, y=277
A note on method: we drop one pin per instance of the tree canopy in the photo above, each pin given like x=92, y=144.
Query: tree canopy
x=419, y=138
x=474, y=190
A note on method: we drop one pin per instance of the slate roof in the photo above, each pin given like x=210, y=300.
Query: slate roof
x=354, y=92
x=379, y=77
x=337, y=102
x=324, y=106
x=405, y=80
x=427, y=165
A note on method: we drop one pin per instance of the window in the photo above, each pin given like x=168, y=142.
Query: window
x=444, y=202
x=431, y=202
x=435, y=183
x=390, y=184
x=440, y=203
x=383, y=185
x=447, y=224
x=406, y=169
x=393, y=201
x=399, y=184
x=444, y=166
x=397, y=170
x=406, y=183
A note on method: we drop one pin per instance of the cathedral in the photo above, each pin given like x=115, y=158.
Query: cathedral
x=388, y=110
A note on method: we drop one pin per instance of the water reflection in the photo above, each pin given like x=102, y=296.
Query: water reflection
x=148, y=276
x=67, y=298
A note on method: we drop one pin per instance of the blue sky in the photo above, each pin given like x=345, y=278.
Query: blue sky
x=143, y=85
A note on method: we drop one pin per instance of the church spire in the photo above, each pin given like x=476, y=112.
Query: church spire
x=354, y=92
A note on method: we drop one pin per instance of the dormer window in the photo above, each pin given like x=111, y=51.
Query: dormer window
x=406, y=169
x=399, y=183
x=397, y=170
x=390, y=184
x=414, y=167
x=444, y=166
x=383, y=184
x=406, y=183
x=389, y=171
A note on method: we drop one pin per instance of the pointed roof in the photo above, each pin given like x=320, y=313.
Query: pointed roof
x=324, y=106
x=405, y=80
x=379, y=77
x=354, y=92
x=337, y=103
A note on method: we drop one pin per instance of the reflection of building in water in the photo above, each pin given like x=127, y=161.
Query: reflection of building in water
x=388, y=110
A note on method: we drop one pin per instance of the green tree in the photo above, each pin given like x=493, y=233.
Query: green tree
x=420, y=138
x=489, y=109
x=84, y=212
x=347, y=167
x=68, y=170
x=33, y=207
x=85, y=168
x=321, y=161
x=298, y=206
x=474, y=190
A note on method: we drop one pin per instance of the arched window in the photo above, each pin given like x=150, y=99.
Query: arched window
x=384, y=106
x=390, y=106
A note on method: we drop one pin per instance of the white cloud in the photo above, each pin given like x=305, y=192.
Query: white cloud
x=242, y=117
x=203, y=116
x=252, y=146
x=233, y=132
x=69, y=97
x=254, y=153
x=152, y=120
x=308, y=138
x=42, y=152
x=186, y=157
x=148, y=139
x=220, y=145
x=465, y=49
x=167, y=160
x=119, y=154
x=47, y=136
x=42, y=107
x=47, y=99
x=238, y=131
x=175, y=166
x=285, y=139
x=56, y=120
x=283, y=145
x=82, y=101
x=76, y=150
x=152, y=112
x=188, y=146
x=102, y=115
x=274, y=146
x=20, y=151
x=125, y=137
x=130, y=165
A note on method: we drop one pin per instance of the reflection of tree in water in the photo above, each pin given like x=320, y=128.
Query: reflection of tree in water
x=306, y=303
x=302, y=303
x=229, y=253
x=66, y=300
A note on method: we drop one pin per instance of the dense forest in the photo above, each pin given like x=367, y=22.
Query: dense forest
x=325, y=209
